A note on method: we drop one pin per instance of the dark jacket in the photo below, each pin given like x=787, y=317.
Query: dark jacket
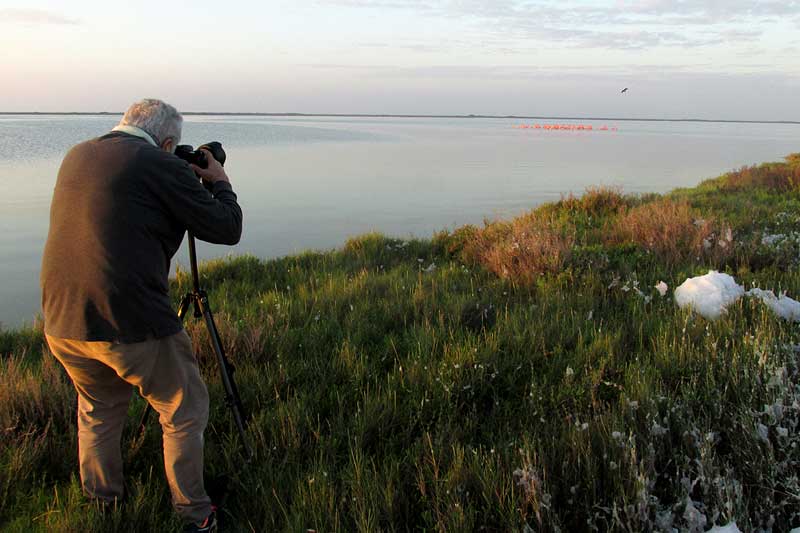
x=120, y=209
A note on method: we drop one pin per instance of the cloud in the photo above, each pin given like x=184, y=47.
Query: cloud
x=412, y=46
x=622, y=24
x=691, y=80
x=714, y=11
x=623, y=39
x=35, y=17
x=536, y=72
x=614, y=12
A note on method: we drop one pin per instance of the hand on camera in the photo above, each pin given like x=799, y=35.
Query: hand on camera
x=214, y=172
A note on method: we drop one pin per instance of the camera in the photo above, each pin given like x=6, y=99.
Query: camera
x=197, y=157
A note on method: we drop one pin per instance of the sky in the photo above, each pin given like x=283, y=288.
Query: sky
x=714, y=59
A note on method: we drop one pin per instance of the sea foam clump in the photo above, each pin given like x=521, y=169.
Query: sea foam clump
x=783, y=306
x=709, y=295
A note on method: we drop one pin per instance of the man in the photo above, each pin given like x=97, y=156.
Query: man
x=121, y=205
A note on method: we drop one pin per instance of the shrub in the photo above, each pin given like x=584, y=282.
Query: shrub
x=522, y=249
x=672, y=230
x=771, y=176
x=454, y=244
x=597, y=201
x=369, y=244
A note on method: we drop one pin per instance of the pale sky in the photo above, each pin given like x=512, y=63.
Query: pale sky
x=728, y=59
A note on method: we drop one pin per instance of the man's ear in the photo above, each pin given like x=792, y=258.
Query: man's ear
x=168, y=145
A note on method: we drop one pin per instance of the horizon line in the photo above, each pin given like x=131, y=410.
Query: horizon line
x=393, y=115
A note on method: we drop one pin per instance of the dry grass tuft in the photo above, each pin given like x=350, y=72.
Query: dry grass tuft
x=672, y=230
x=597, y=201
x=771, y=176
x=32, y=395
x=522, y=249
x=37, y=421
x=240, y=340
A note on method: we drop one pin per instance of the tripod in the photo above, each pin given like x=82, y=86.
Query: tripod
x=202, y=309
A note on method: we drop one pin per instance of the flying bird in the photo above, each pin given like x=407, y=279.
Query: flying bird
x=624, y=90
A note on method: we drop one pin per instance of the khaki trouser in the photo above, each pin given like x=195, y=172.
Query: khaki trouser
x=166, y=373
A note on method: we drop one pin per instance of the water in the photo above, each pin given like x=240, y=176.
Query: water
x=310, y=183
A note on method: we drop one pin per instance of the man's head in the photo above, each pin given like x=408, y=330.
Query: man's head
x=158, y=119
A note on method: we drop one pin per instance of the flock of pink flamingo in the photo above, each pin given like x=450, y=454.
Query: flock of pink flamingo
x=565, y=127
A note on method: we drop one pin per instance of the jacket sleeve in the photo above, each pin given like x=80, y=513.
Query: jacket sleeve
x=213, y=217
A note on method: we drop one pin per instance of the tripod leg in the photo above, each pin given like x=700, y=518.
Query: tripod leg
x=182, y=309
x=226, y=370
x=184, y=306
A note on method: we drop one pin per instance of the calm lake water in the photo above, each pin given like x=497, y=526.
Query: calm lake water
x=310, y=183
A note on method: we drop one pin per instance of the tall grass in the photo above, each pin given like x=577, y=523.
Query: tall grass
x=523, y=249
x=674, y=231
x=780, y=177
x=413, y=385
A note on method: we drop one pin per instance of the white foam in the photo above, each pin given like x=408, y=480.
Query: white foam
x=783, y=306
x=662, y=288
x=709, y=295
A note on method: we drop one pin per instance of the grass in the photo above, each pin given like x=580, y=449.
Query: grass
x=542, y=386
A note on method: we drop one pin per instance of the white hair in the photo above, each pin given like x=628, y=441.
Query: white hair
x=159, y=119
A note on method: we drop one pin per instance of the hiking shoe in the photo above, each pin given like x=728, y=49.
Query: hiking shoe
x=209, y=525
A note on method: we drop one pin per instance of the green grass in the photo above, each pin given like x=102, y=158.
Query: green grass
x=387, y=398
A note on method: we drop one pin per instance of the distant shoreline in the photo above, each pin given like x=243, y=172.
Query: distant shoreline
x=364, y=115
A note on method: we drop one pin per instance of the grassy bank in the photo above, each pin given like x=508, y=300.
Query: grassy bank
x=521, y=376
